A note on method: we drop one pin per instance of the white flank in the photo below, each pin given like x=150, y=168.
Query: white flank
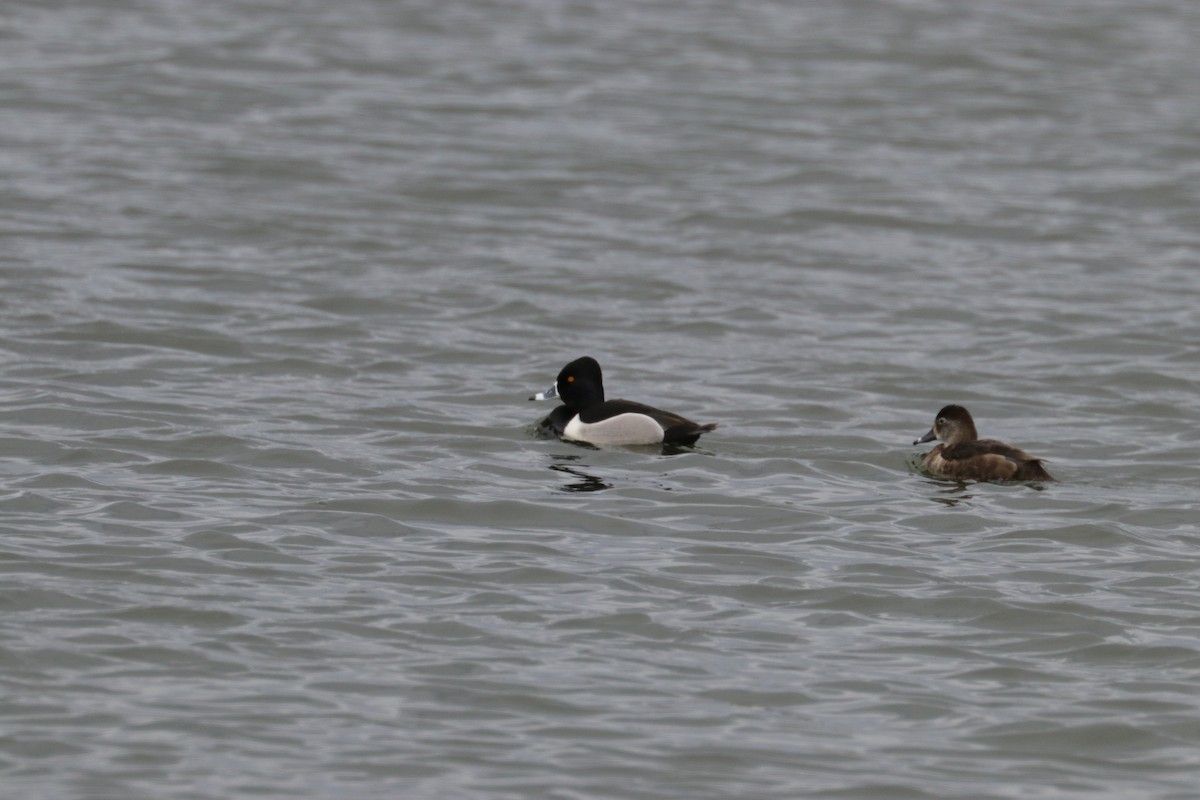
x=621, y=429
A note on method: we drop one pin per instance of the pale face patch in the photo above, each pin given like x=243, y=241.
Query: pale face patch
x=619, y=430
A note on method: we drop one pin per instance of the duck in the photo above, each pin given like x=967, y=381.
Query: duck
x=963, y=456
x=585, y=416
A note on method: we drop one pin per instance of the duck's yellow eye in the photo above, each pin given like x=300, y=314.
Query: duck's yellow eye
x=570, y=379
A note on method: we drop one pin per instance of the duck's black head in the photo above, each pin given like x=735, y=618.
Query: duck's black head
x=580, y=384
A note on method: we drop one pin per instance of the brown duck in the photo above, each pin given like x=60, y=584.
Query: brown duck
x=963, y=456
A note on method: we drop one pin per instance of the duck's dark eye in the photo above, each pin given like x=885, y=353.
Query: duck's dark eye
x=941, y=421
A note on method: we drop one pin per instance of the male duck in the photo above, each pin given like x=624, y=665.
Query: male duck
x=964, y=456
x=586, y=416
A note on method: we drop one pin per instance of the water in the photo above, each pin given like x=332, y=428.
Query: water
x=277, y=280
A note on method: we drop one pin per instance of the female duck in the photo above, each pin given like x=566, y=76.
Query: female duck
x=586, y=416
x=964, y=456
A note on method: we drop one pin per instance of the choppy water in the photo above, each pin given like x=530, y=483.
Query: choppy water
x=277, y=280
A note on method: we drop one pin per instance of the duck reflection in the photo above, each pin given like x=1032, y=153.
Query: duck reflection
x=585, y=482
x=951, y=495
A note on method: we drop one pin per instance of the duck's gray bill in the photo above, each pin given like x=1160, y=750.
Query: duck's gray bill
x=929, y=437
x=548, y=394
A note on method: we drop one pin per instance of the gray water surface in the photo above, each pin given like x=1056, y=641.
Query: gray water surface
x=278, y=277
